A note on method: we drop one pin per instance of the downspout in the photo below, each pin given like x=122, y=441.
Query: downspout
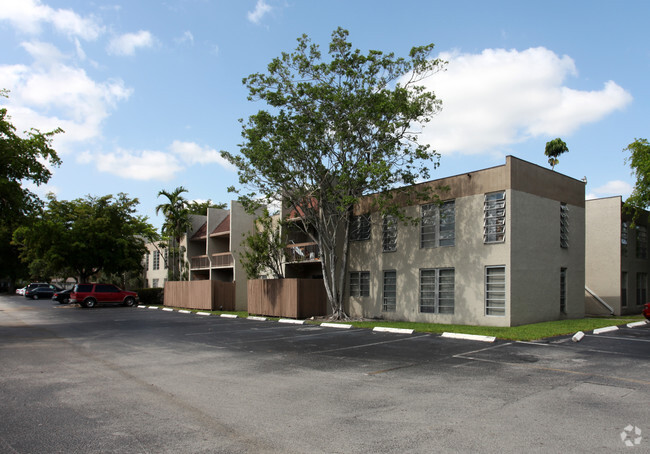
x=600, y=300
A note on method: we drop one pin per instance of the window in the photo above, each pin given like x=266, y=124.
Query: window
x=563, y=290
x=641, y=242
x=624, y=289
x=166, y=258
x=624, y=229
x=360, y=227
x=494, y=217
x=495, y=290
x=360, y=283
x=146, y=262
x=154, y=283
x=390, y=291
x=156, y=260
x=437, y=291
x=389, y=235
x=641, y=288
x=438, y=224
x=106, y=288
x=564, y=225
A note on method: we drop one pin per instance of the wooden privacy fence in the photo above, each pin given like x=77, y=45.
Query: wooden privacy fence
x=206, y=295
x=293, y=298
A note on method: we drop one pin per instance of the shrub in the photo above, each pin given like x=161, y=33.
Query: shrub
x=153, y=296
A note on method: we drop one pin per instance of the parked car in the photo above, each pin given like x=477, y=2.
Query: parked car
x=63, y=297
x=21, y=291
x=646, y=311
x=41, y=291
x=89, y=295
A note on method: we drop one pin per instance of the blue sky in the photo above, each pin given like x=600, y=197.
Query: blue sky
x=148, y=92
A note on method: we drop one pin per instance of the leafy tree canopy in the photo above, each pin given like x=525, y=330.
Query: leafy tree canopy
x=23, y=158
x=87, y=236
x=201, y=208
x=337, y=128
x=639, y=161
x=553, y=150
x=264, y=248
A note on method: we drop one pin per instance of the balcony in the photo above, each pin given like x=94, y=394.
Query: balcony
x=222, y=260
x=301, y=252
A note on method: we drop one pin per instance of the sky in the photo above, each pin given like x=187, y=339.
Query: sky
x=149, y=92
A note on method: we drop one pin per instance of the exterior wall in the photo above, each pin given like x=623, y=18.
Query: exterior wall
x=606, y=259
x=149, y=273
x=537, y=259
x=531, y=252
x=603, y=250
x=240, y=223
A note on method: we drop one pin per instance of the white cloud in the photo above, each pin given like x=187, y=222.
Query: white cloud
x=186, y=37
x=501, y=97
x=128, y=43
x=261, y=9
x=192, y=153
x=139, y=165
x=29, y=15
x=612, y=188
x=50, y=93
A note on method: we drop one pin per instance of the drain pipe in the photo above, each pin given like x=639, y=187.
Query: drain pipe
x=600, y=300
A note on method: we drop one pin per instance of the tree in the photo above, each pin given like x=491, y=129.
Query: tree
x=88, y=236
x=264, y=248
x=201, y=208
x=22, y=159
x=335, y=131
x=639, y=161
x=555, y=148
x=177, y=223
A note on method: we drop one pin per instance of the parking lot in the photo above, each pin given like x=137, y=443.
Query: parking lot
x=115, y=379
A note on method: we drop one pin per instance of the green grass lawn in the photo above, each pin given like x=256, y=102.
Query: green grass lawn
x=530, y=332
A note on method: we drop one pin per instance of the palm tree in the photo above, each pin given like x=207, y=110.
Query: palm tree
x=177, y=223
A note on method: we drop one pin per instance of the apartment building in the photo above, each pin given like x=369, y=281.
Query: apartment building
x=155, y=266
x=505, y=247
x=616, y=256
x=213, y=244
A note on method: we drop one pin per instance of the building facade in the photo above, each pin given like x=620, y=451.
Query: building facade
x=616, y=257
x=213, y=245
x=155, y=266
x=505, y=247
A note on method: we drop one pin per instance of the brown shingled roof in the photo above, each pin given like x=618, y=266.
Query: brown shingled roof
x=201, y=233
x=223, y=227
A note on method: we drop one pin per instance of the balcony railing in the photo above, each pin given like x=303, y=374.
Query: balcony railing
x=198, y=262
x=301, y=252
x=222, y=260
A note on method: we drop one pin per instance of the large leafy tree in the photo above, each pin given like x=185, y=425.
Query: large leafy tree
x=337, y=128
x=554, y=148
x=177, y=223
x=264, y=248
x=23, y=158
x=87, y=236
x=639, y=161
x=201, y=208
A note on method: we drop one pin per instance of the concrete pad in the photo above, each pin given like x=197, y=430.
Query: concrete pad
x=292, y=321
x=336, y=325
x=637, y=324
x=254, y=317
x=229, y=315
x=203, y=313
x=606, y=329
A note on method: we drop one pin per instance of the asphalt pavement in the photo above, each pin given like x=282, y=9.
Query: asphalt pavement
x=139, y=380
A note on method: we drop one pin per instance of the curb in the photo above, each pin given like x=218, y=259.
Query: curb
x=256, y=318
x=229, y=315
x=635, y=324
x=383, y=329
x=336, y=325
x=577, y=337
x=292, y=321
x=184, y=311
x=606, y=329
x=203, y=313
x=153, y=307
x=474, y=337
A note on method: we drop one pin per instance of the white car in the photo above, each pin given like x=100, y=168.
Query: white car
x=20, y=291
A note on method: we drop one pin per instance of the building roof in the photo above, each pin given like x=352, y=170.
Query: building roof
x=223, y=227
x=201, y=233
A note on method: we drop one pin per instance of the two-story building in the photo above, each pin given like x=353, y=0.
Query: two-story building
x=505, y=247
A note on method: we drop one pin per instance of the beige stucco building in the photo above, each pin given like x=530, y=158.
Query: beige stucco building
x=616, y=257
x=505, y=248
x=155, y=266
x=213, y=245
